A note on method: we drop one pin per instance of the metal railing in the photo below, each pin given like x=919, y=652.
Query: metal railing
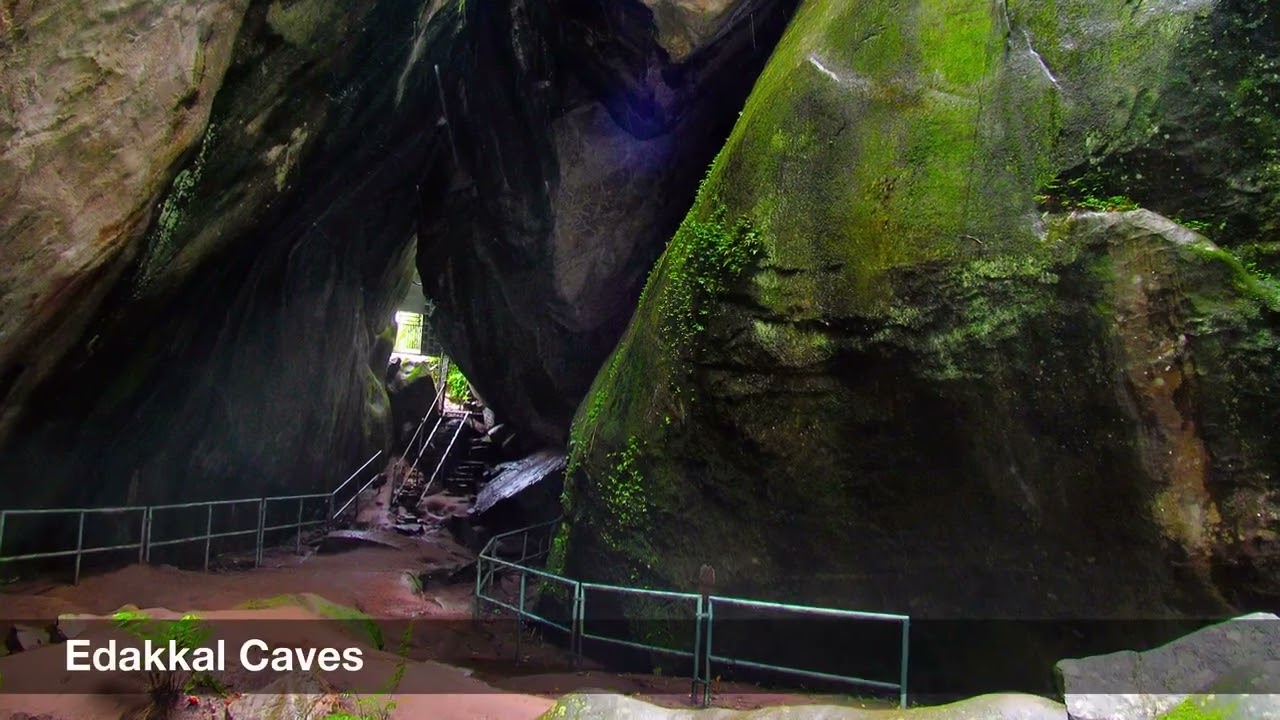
x=333, y=496
x=435, y=408
x=488, y=564
x=903, y=621
x=424, y=440
x=443, y=459
x=146, y=523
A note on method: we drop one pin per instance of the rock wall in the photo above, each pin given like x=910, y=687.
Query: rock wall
x=217, y=207
x=581, y=129
x=214, y=220
x=915, y=348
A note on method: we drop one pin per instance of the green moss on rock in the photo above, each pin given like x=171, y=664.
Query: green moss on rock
x=303, y=23
x=921, y=381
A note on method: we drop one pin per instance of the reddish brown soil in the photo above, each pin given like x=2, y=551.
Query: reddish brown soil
x=375, y=580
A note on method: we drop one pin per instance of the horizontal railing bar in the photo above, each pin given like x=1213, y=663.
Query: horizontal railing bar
x=527, y=614
x=806, y=673
x=312, y=496
x=641, y=591
x=531, y=571
x=51, y=511
x=807, y=609
x=638, y=646
x=233, y=533
x=206, y=503
x=179, y=541
x=66, y=553
x=172, y=506
x=109, y=548
x=193, y=538
x=493, y=540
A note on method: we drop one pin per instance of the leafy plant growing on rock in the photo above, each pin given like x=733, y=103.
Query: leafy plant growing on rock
x=458, y=388
x=374, y=708
x=1194, y=709
x=166, y=687
x=712, y=253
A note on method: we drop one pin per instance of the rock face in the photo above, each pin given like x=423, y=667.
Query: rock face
x=215, y=210
x=581, y=131
x=890, y=361
x=292, y=697
x=412, y=393
x=198, y=300
x=101, y=105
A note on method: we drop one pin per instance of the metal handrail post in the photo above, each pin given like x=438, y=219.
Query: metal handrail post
x=262, y=522
x=475, y=609
x=520, y=614
x=706, y=687
x=697, y=652
x=580, y=610
x=297, y=549
x=906, y=649
x=75, y=580
x=3, y=515
x=146, y=532
x=208, y=537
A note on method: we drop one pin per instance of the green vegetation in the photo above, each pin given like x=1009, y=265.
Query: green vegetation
x=1194, y=708
x=708, y=256
x=873, y=203
x=166, y=687
x=301, y=22
x=622, y=490
x=458, y=389
x=358, y=622
x=1248, y=278
x=1087, y=192
x=413, y=371
x=559, y=550
x=162, y=241
x=378, y=708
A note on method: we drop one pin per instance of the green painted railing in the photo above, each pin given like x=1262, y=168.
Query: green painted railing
x=535, y=543
x=145, y=517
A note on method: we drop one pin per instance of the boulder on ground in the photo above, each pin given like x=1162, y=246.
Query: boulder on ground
x=587, y=704
x=1147, y=685
x=28, y=637
x=298, y=696
x=344, y=540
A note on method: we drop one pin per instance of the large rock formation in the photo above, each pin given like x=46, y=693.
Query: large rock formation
x=212, y=224
x=581, y=130
x=215, y=208
x=890, y=360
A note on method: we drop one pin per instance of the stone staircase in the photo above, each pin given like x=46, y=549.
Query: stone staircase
x=454, y=460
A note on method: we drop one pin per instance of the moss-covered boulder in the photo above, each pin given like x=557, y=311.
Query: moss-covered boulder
x=889, y=362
